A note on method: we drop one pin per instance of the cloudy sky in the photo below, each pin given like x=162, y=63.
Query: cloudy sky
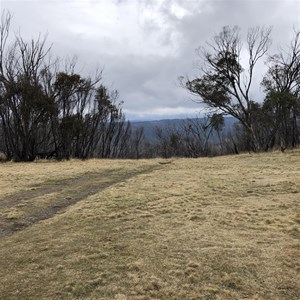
x=143, y=46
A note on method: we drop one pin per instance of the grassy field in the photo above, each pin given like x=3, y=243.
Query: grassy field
x=209, y=228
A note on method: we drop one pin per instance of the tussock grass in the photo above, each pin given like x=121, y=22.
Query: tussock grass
x=210, y=228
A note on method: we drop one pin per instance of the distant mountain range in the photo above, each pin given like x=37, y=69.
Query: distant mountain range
x=150, y=126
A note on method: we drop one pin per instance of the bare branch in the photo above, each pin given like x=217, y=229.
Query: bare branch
x=4, y=33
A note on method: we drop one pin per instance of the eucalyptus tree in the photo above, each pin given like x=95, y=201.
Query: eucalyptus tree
x=24, y=107
x=225, y=81
x=282, y=103
x=48, y=112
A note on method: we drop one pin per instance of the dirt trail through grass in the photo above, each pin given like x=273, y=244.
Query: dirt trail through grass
x=45, y=200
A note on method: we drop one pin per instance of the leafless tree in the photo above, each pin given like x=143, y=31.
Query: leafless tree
x=138, y=137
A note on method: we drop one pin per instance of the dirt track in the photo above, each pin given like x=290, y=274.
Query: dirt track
x=61, y=194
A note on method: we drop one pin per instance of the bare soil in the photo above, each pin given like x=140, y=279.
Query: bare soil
x=70, y=191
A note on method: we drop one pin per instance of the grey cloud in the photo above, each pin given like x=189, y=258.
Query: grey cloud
x=147, y=76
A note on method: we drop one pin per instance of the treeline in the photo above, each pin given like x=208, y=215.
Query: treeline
x=224, y=84
x=48, y=110
x=211, y=135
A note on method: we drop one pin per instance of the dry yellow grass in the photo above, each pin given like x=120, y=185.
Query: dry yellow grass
x=210, y=228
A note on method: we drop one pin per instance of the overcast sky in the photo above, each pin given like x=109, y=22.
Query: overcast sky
x=145, y=45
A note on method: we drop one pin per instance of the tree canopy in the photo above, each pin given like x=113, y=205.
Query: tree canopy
x=48, y=111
